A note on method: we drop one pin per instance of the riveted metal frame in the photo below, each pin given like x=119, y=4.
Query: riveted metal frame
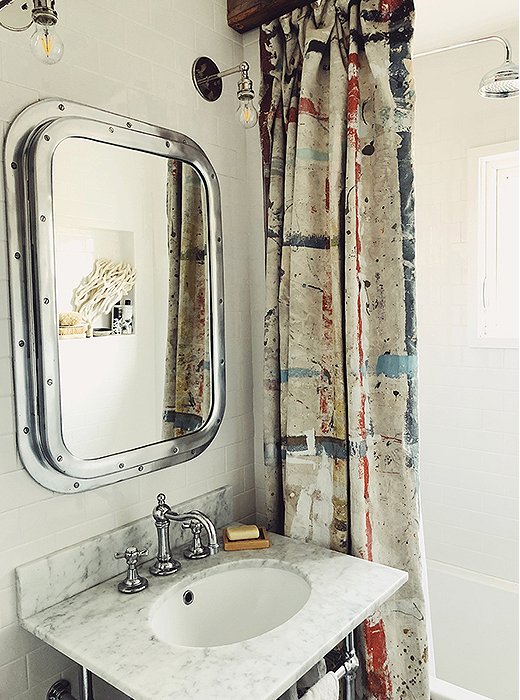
x=30, y=145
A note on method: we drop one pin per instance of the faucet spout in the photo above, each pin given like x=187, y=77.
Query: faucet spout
x=196, y=520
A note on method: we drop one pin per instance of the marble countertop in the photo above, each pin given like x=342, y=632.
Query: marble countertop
x=110, y=634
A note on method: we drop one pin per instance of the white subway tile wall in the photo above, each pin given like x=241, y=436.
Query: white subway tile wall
x=468, y=396
x=133, y=58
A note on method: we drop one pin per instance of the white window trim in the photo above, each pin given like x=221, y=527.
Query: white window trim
x=476, y=219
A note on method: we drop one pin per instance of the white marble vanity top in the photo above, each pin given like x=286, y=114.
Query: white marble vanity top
x=110, y=634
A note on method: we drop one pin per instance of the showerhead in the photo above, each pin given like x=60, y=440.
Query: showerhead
x=500, y=82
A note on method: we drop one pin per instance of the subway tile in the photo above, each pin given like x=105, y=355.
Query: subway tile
x=81, y=18
x=8, y=606
x=115, y=497
x=8, y=459
x=249, y=477
x=221, y=48
x=13, y=678
x=476, y=521
x=125, y=67
x=6, y=381
x=58, y=513
x=14, y=99
x=170, y=481
x=239, y=454
x=4, y=300
x=149, y=45
x=244, y=504
x=10, y=529
x=15, y=643
x=19, y=489
x=83, y=531
x=207, y=465
x=16, y=552
x=44, y=663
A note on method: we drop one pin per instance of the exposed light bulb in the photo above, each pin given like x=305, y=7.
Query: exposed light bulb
x=247, y=114
x=46, y=44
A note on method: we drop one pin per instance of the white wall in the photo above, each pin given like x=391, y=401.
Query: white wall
x=256, y=275
x=468, y=396
x=110, y=203
x=133, y=58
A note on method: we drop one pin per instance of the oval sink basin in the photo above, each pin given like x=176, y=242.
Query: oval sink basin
x=228, y=605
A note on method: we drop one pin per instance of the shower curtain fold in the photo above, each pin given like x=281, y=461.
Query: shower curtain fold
x=340, y=347
x=187, y=383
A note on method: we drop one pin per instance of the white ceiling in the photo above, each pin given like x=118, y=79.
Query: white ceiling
x=441, y=22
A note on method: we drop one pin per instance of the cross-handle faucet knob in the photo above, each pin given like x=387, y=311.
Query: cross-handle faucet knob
x=197, y=550
x=134, y=582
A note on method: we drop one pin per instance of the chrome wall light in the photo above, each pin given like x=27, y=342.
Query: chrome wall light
x=45, y=43
x=207, y=79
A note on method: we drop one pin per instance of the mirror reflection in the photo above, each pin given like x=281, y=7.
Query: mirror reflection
x=132, y=297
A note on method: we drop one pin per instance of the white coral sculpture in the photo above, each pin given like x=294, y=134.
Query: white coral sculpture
x=106, y=284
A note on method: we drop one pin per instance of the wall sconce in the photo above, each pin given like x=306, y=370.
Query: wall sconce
x=207, y=79
x=45, y=43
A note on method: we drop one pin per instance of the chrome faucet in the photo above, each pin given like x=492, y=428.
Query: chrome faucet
x=193, y=520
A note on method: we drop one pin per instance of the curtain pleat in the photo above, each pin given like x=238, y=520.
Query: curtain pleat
x=187, y=383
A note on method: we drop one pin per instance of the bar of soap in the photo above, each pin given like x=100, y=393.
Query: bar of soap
x=242, y=532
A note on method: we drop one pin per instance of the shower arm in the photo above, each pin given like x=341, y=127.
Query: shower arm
x=504, y=42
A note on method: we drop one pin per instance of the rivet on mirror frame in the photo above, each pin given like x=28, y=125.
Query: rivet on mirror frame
x=121, y=465
x=175, y=450
x=43, y=218
x=46, y=300
x=17, y=255
x=140, y=468
x=21, y=343
x=14, y=165
x=61, y=107
x=47, y=137
x=26, y=430
x=111, y=129
x=49, y=382
x=76, y=484
x=168, y=144
x=59, y=458
x=129, y=124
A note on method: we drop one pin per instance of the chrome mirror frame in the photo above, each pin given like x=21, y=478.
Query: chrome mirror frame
x=29, y=147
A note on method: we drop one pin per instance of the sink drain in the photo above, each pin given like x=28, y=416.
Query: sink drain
x=188, y=597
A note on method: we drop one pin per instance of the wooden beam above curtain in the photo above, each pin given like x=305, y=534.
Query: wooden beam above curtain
x=243, y=15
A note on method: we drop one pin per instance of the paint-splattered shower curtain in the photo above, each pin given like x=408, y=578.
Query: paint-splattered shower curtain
x=340, y=347
x=187, y=385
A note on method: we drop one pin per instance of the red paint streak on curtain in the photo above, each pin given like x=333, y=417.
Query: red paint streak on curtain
x=292, y=117
x=307, y=106
x=387, y=7
x=378, y=678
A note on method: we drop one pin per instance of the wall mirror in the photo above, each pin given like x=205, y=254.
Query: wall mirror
x=115, y=254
